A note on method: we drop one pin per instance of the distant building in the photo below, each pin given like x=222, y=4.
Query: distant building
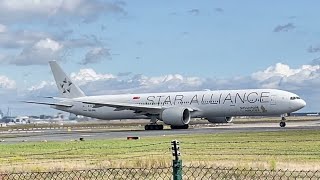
x=306, y=114
x=22, y=120
x=7, y=119
x=45, y=117
x=313, y=114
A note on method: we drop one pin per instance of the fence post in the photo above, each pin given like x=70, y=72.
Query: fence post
x=177, y=163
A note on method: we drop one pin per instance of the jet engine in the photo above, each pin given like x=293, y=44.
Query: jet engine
x=218, y=120
x=176, y=116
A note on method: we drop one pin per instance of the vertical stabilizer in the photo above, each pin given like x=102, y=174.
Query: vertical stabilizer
x=66, y=87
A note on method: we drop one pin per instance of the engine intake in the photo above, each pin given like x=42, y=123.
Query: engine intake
x=177, y=116
x=218, y=120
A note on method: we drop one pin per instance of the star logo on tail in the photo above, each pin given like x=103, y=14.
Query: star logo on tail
x=66, y=86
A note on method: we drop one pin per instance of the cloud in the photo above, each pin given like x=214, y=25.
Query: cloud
x=313, y=49
x=194, y=12
x=83, y=42
x=279, y=69
x=3, y=28
x=15, y=39
x=316, y=61
x=282, y=76
x=95, y=83
x=21, y=38
x=40, y=53
x=173, y=14
x=6, y=83
x=96, y=55
x=56, y=11
x=122, y=74
x=219, y=10
x=48, y=44
x=303, y=80
x=40, y=86
x=34, y=47
x=284, y=28
x=88, y=75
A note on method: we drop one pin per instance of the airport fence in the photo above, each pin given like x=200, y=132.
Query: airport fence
x=188, y=172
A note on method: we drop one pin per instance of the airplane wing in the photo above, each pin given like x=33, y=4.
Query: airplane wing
x=50, y=104
x=125, y=106
x=134, y=107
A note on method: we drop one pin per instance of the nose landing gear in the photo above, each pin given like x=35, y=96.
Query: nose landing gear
x=283, y=121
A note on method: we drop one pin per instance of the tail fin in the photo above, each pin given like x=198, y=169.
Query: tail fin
x=66, y=87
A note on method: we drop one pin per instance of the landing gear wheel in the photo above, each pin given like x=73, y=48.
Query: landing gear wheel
x=153, y=127
x=282, y=124
x=186, y=126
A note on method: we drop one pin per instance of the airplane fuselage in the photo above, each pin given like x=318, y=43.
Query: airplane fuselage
x=208, y=104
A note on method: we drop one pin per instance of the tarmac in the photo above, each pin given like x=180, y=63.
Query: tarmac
x=73, y=134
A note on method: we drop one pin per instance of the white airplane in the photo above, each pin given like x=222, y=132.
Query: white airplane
x=174, y=108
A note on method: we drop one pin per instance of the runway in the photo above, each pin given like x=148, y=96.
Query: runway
x=93, y=134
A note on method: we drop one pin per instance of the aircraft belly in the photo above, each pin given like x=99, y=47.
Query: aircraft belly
x=245, y=109
x=214, y=111
x=110, y=114
x=106, y=113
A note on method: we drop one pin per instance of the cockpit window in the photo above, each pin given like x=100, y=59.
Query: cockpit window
x=293, y=98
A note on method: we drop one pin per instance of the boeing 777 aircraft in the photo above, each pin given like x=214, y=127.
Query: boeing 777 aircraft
x=174, y=108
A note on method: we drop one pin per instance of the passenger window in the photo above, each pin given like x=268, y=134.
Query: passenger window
x=293, y=98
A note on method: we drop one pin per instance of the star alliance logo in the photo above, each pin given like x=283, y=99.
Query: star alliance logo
x=263, y=109
x=66, y=86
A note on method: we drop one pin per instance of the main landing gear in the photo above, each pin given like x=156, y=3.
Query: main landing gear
x=283, y=121
x=153, y=124
x=186, y=126
x=153, y=127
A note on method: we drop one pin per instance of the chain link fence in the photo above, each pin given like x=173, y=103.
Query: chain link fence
x=108, y=173
x=189, y=172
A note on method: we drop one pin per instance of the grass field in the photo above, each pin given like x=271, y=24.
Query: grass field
x=271, y=150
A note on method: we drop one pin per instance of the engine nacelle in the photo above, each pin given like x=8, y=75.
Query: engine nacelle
x=176, y=116
x=218, y=120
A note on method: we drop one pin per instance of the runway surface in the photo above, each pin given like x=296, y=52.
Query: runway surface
x=90, y=134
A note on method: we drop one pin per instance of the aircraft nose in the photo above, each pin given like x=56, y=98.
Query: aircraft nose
x=302, y=103
x=299, y=104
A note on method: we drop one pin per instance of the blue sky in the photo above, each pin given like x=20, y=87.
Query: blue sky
x=114, y=47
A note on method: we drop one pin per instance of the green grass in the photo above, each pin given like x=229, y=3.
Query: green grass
x=272, y=150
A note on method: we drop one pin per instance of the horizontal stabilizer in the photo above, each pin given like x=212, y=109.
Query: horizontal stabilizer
x=56, y=98
x=49, y=104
